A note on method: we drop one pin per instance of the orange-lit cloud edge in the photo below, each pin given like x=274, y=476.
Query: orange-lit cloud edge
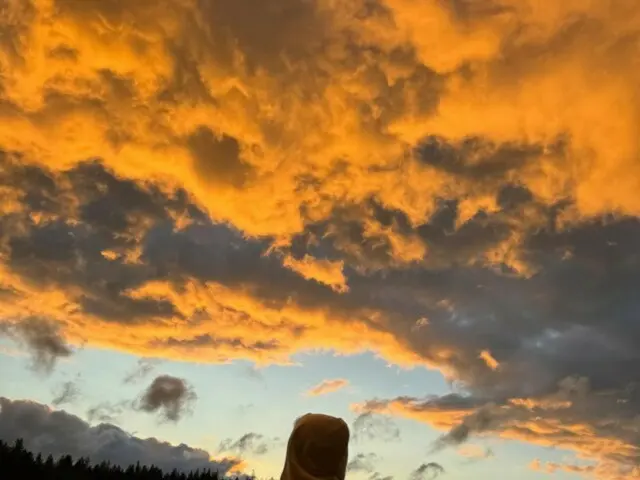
x=538, y=422
x=82, y=80
x=327, y=386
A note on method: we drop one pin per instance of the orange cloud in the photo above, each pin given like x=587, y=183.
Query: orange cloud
x=491, y=362
x=439, y=418
x=323, y=271
x=613, y=457
x=392, y=109
x=208, y=314
x=474, y=452
x=96, y=79
x=589, y=471
x=240, y=467
x=241, y=325
x=327, y=386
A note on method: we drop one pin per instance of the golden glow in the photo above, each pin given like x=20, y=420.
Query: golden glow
x=83, y=79
x=305, y=111
x=323, y=271
x=539, y=429
x=491, y=362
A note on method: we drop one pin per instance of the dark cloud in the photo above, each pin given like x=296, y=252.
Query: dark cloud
x=207, y=340
x=59, y=433
x=476, y=158
x=103, y=237
x=269, y=34
x=249, y=443
x=44, y=341
x=114, y=204
x=479, y=421
x=474, y=309
x=346, y=236
x=548, y=419
x=118, y=215
x=371, y=426
x=215, y=253
x=169, y=396
x=119, y=307
x=478, y=415
x=68, y=392
x=574, y=317
x=217, y=159
x=448, y=402
x=68, y=249
x=427, y=471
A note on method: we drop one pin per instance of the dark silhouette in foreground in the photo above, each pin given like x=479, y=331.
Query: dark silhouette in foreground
x=18, y=463
x=318, y=449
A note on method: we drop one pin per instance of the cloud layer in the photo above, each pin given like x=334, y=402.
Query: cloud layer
x=450, y=184
x=191, y=93
x=58, y=433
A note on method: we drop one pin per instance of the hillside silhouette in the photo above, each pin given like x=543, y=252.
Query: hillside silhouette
x=16, y=462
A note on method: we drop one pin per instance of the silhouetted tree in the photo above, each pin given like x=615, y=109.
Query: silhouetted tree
x=17, y=463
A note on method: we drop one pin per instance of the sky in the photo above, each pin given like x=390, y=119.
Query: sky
x=421, y=216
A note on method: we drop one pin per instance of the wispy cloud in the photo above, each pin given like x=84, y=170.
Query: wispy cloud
x=43, y=340
x=108, y=412
x=474, y=452
x=371, y=426
x=68, y=392
x=249, y=443
x=427, y=471
x=585, y=470
x=327, y=386
x=363, y=462
x=143, y=368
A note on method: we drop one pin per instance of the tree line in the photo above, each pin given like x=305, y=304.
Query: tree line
x=16, y=462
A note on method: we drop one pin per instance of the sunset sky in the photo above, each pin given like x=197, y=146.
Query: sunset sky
x=421, y=216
